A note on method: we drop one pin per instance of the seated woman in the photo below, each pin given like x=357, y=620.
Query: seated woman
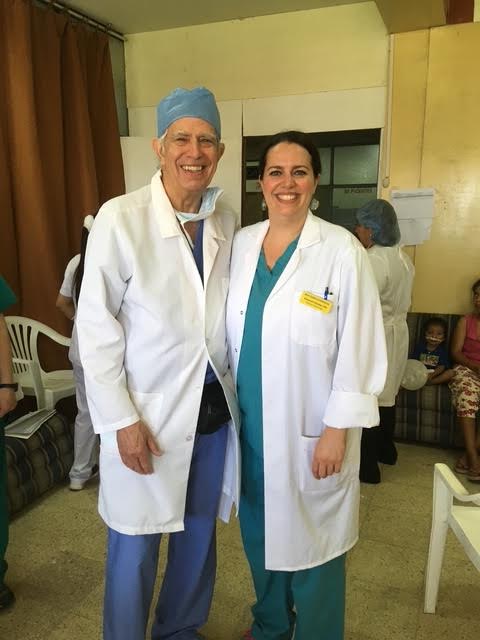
x=465, y=386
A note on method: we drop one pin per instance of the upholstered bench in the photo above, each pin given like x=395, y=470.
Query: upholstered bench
x=35, y=464
x=427, y=415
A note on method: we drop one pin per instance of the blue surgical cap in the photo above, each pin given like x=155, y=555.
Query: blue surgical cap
x=379, y=216
x=185, y=103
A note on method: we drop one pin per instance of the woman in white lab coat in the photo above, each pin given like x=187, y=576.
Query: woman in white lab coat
x=307, y=348
x=378, y=231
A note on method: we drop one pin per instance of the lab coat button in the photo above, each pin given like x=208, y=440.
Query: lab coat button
x=236, y=350
x=241, y=313
x=189, y=437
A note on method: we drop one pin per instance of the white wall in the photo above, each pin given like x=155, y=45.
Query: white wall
x=139, y=161
x=319, y=70
x=325, y=111
x=315, y=112
x=330, y=49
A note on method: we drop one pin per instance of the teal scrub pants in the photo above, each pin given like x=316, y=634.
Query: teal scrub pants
x=3, y=503
x=7, y=298
x=318, y=594
x=310, y=602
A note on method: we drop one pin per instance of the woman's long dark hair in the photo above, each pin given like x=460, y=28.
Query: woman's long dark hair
x=78, y=275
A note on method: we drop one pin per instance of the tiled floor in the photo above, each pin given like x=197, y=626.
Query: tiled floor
x=56, y=558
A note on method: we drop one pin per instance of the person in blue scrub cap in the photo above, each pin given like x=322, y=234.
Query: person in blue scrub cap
x=151, y=334
x=378, y=230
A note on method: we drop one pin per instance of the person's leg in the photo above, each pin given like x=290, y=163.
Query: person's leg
x=468, y=428
x=6, y=596
x=465, y=388
x=319, y=596
x=129, y=581
x=273, y=614
x=387, y=449
x=369, y=469
x=187, y=589
x=442, y=378
x=85, y=439
x=462, y=465
x=3, y=505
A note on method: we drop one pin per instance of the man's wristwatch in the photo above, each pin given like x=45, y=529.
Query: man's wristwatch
x=9, y=385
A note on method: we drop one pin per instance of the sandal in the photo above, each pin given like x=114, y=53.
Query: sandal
x=461, y=467
x=473, y=475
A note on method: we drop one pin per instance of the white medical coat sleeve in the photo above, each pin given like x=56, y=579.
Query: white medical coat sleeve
x=100, y=335
x=66, y=289
x=361, y=365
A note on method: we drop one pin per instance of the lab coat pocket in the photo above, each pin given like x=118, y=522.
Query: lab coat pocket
x=108, y=443
x=306, y=480
x=149, y=408
x=311, y=326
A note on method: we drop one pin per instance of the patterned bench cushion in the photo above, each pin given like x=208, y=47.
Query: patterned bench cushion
x=34, y=465
x=427, y=415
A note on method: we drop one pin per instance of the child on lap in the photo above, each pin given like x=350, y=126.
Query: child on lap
x=433, y=352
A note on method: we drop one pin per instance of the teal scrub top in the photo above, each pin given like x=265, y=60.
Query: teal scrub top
x=7, y=297
x=249, y=373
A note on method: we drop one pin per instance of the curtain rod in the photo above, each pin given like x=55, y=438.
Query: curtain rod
x=84, y=18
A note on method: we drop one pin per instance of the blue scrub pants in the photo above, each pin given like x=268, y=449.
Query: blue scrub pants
x=317, y=594
x=186, y=594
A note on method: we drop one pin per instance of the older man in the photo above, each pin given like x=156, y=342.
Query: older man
x=151, y=329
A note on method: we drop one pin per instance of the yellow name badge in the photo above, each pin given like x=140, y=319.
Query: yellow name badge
x=316, y=302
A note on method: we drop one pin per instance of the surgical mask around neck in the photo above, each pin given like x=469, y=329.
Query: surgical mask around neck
x=183, y=217
x=207, y=207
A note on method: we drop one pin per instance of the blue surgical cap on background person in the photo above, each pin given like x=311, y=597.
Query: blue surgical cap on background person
x=379, y=216
x=186, y=103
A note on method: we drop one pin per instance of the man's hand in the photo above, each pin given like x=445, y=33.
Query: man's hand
x=8, y=401
x=136, y=444
x=329, y=453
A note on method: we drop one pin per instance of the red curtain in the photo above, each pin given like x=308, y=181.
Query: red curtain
x=60, y=155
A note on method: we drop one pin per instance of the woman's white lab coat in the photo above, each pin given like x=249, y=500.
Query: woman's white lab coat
x=146, y=330
x=394, y=273
x=318, y=369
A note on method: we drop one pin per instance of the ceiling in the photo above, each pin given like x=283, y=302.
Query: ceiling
x=410, y=15
x=154, y=15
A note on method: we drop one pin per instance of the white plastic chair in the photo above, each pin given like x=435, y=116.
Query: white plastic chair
x=47, y=386
x=463, y=520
